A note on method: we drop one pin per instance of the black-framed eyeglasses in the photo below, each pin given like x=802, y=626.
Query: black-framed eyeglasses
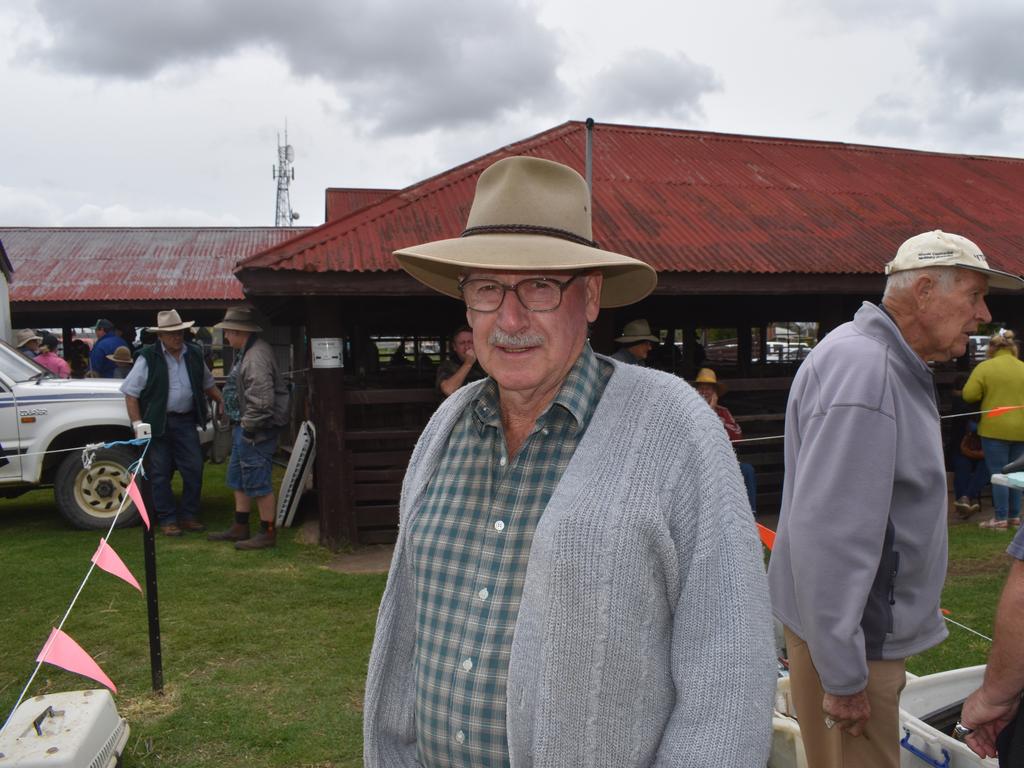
x=536, y=294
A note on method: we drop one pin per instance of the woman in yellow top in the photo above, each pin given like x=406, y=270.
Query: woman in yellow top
x=996, y=382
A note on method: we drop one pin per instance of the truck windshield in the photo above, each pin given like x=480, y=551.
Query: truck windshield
x=17, y=366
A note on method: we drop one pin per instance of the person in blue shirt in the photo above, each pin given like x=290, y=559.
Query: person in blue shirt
x=107, y=340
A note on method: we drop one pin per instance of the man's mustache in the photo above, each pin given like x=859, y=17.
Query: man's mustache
x=499, y=338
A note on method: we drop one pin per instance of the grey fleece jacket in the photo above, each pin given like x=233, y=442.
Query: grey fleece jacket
x=860, y=555
x=262, y=392
x=644, y=635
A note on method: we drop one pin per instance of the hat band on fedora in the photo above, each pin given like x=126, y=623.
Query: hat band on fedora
x=528, y=229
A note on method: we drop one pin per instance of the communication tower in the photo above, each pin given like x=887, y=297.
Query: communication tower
x=285, y=174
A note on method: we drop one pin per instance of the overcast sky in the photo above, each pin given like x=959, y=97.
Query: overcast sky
x=146, y=112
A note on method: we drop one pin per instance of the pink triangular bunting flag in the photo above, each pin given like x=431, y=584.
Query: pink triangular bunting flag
x=107, y=559
x=61, y=651
x=136, y=497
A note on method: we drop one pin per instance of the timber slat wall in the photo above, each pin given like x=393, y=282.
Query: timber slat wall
x=378, y=455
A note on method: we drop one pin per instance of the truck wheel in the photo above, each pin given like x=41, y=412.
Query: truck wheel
x=89, y=498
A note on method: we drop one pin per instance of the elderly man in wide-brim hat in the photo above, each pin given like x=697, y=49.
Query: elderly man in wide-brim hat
x=256, y=402
x=577, y=579
x=27, y=342
x=635, y=343
x=167, y=389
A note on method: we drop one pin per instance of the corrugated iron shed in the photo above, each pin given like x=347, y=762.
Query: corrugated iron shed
x=79, y=264
x=699, y=202
x=342, y=201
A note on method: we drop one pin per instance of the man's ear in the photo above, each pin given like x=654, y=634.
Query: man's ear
x=923, y=289
x=593, y=283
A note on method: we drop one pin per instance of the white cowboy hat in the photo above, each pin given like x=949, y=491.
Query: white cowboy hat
x=529, y=215
x=169, y=321
x=239, y=319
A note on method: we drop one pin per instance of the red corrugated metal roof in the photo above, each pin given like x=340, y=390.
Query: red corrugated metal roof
x=341, y=201
x=690, y=201
x=132, y=264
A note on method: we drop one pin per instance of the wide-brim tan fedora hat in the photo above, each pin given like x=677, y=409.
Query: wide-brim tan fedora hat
x=169, y=321
x=637, y=330
x=528, y=215
x=121, y=355
x=24, y=336
x=239, y=319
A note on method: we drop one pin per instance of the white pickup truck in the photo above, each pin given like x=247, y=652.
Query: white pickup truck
x=41, y=417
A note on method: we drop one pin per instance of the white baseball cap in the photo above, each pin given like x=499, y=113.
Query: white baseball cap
x=943, y=249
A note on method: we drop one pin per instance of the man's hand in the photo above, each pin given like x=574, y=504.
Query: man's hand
x=987, y=718
x=850, y=713
x=469, y=357
x=249, y=436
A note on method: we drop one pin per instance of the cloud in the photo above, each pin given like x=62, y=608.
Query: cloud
x=24, y=209
x=953, y=122
x=978, y=48
x=647, y=84
x=862, y=12
x=890, y=116
x=400, y=67
x=121, y=216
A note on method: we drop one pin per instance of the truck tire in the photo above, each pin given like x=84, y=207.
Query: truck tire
x=89, y=498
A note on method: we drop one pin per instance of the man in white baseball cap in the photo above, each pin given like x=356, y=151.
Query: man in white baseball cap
x=860, y=554
x=577, y=579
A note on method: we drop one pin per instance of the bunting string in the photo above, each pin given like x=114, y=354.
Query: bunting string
x=58, y=639
x=991, y=412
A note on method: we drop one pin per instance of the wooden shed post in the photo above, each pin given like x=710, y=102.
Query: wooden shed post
x=333, y=486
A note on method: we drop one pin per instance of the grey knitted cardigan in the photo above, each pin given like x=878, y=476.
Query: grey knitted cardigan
x=644, y=634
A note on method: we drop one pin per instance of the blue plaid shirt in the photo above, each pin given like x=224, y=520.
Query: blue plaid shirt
x=470, y=546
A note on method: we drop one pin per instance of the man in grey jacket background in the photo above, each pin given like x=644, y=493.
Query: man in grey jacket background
x=577, y=579
x=262, y=403
x=860, y=557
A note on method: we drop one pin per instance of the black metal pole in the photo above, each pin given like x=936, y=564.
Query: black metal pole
x=156, y=663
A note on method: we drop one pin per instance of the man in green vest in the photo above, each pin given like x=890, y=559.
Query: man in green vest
x=167, y=389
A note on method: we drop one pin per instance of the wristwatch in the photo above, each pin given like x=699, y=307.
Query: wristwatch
x=960, y=731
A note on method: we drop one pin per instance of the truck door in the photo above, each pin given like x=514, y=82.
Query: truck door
x=9, y=438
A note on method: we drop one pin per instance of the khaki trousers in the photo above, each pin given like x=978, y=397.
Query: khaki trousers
x=879, y=745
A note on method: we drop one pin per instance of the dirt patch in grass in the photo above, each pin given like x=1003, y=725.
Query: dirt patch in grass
x=375, y=558
x=150, y=706
x=995, y=563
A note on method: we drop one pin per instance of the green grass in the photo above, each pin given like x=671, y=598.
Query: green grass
x=264, y=653
x=978, y=564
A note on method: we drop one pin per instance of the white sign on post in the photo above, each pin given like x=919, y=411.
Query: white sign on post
x=326, y=353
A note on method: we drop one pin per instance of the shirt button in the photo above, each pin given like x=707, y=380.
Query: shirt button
x=460, y=737
x=499, y=525
x=503, y=461
x=484, y=594
x=544, y=431
x=467, y=664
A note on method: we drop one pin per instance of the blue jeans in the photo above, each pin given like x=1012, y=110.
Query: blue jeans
x=179, y=448
x=750, y=480
x=250, y=464
x=999, y=453
x=969, y=477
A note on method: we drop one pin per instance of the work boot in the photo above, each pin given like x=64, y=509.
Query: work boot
x=261, y=540
x=192, y=525
x=237, y=532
